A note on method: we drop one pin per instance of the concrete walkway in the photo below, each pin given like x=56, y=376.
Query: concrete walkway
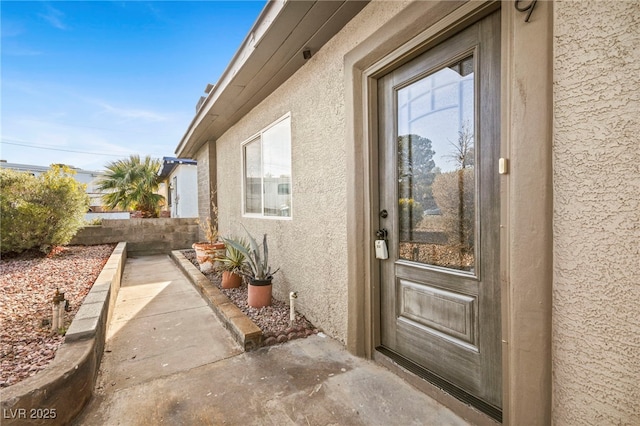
x=169, y=360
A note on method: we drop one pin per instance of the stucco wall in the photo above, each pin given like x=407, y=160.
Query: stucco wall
x=596, y=308
x=311, y=249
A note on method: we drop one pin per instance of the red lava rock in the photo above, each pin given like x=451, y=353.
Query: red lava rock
x=282, y=338
x=27, y=285
x=292, y=336
x=273, y=320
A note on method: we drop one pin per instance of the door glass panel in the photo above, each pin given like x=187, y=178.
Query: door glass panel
x=436, y=173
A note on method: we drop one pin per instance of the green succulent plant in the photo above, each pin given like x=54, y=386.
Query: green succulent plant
x=257, y=257
x=234, y=259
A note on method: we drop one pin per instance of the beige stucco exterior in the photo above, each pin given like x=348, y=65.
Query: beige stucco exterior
x=570, y=225
x=311, y=249
x=596, y=232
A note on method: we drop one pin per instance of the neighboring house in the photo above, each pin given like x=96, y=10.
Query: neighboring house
x=180, y=181
x=86, y=177
x=521, y=295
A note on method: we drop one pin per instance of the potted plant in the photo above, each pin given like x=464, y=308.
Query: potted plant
x=260, y=275
x=233, y=263
x=207, y=252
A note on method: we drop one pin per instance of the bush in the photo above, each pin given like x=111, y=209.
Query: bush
x=411, y=213
x=40, y=212
x=459, y=221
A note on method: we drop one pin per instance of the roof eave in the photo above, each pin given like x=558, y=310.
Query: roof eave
x=268, y=56
x=187, y=146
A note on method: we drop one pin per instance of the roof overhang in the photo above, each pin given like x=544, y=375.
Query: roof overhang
x=170, y=163
x=271, y=53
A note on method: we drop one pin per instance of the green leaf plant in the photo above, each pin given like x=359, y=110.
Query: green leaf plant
x=257, y=257
x=234, y=260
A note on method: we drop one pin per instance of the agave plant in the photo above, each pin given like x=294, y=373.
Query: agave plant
x=257, y=259
x=234, y=260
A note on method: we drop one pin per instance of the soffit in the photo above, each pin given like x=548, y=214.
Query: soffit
x=271, y=53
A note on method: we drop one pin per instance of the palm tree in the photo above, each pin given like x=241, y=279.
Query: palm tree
x=132, y=185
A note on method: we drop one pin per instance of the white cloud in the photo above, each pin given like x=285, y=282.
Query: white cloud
x=11, y=29
x=132, y=113
x=11, y=45
x=54, y=17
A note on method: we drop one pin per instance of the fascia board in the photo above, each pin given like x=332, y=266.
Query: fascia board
x=273, y=58
x=259, y=29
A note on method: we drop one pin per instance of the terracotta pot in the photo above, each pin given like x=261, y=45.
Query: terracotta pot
x=206, y=254
x=231, y=280
x=259, y=294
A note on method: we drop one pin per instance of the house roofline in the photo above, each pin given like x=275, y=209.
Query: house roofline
x=285, y=35
x=240, y=58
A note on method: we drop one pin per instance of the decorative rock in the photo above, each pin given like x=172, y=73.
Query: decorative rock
x=270, y=341
x=28, y=282
x=282, y=338
x=273, y=320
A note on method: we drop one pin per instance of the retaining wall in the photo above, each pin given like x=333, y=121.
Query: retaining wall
x=143, y=236
x=57, y=394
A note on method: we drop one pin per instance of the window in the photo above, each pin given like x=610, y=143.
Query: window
x=266, y=160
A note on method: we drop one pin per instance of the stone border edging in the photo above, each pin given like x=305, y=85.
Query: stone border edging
x=244, y=331
x=57, y=394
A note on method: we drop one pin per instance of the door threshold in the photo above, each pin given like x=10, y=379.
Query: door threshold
x=461, y=402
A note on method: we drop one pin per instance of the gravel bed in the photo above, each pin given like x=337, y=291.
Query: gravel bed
x=28, y=283
x=273, y=320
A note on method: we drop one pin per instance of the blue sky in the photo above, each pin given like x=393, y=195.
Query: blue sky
x=109, y=79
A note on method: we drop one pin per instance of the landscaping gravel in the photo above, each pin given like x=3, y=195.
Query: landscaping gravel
x=28, y=283
x=273, y=320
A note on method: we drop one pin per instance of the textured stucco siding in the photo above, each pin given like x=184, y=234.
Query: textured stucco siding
x=311, y=249
x=596, y=154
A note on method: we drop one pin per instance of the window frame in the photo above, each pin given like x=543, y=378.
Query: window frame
x=258, y=137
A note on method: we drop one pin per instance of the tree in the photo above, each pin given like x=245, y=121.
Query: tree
x=455, y=192
x=457, y=208
x=416, y=169
x=40, y=211
x=463, y=153
x=132, y=184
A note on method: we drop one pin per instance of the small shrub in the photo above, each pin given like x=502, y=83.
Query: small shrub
x=411, y=213
x=40, y=212
x=459, y=221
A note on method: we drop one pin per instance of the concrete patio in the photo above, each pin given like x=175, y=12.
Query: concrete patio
x=168, y=359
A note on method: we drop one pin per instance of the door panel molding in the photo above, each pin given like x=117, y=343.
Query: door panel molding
x=452, y=316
